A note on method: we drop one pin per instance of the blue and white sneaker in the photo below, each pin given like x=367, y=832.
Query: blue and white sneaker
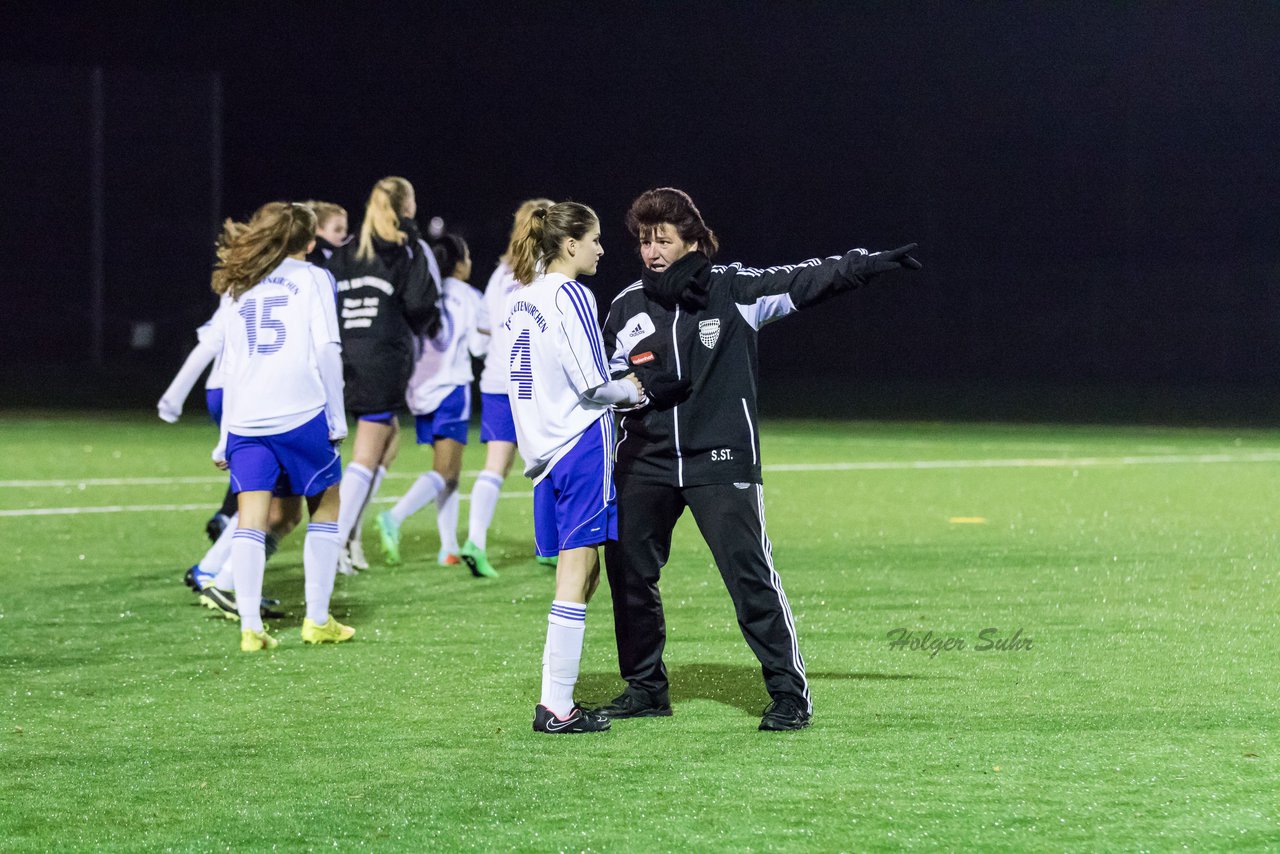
x=197, y=579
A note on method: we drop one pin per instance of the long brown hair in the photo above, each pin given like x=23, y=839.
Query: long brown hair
x=521, y=223
x=382, y=214
x=248, y=251
x=539, y=240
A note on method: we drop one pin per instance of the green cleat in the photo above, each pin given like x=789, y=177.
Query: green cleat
x=251, y=641
x=330, y=631
x=389, y=533
x=477, y=561
x=547, y=561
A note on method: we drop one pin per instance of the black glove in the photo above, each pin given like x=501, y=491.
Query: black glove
x=663, y=389
x=862, y=268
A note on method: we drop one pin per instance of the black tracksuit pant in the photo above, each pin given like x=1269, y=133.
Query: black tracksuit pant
x=731, y=520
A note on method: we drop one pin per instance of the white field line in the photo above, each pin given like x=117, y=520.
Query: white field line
x=865, y=465
x=166, y=508
x=1046, y=462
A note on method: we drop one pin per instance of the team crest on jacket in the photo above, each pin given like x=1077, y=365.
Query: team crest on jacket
x=709, y=332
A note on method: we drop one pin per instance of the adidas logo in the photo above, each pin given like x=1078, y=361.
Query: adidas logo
x=638, y=329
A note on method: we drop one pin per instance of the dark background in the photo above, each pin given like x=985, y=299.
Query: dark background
x=1093, y=185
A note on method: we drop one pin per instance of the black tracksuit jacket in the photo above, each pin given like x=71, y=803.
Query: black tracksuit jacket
x=713, y=436
x=383, y=303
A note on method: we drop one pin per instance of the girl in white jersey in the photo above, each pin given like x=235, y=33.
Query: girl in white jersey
x=439, y=396
x=561, y=395
x=282, y=407
x=497, y=428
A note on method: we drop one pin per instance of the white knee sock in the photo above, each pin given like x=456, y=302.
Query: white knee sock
x=484, y=500
x=217, y=560
x=356, y=481
x=319, y=566
x=248, y=558
x=566, y=624
x=447, y=519
x=422, y=493
x=358, y=526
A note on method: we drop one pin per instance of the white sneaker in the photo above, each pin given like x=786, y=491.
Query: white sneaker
x=355, y=549
x=344, y=563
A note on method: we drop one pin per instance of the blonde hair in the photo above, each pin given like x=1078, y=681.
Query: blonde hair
x=247, y=251
x=521, y=223
x=324, y=211
x=538, y=241
x=382, y=214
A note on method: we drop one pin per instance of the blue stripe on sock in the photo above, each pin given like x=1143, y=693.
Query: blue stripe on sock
x=250, y=534
x=578, y=616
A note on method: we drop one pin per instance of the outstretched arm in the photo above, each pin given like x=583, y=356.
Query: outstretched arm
x=778, y=291
x=170, y=405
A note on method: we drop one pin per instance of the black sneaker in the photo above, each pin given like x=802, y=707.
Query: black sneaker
x=189, y=579
x=215, y=526
x=225, y=601
x=545, y=720
x=785, y=714
x=628, y=705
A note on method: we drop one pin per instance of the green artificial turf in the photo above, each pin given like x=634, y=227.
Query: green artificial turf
x=1142, y=717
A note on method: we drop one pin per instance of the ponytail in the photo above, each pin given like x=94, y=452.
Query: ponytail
x=519, y=222
x=382, y=215
x=525, y=241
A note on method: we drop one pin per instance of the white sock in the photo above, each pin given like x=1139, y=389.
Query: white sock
x=422, y=493
x=226, y=579
x=447, y=519
x=319, y=566
x=351, y=495
x=248, y=559
x=566, y=624
x=378, y=477
x=218, y=558
x=484, y=500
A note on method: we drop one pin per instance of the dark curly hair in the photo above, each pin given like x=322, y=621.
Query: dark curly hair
x=667, y=204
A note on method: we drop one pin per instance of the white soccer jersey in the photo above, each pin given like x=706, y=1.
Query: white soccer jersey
x=557, y=354
x=497, y=360
x=269, y=357
x=445, y=360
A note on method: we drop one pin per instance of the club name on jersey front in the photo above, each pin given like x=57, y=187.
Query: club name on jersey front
x=529, y=309
x=281, y=280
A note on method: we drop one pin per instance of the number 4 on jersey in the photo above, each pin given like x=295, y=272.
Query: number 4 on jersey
x=522, y=366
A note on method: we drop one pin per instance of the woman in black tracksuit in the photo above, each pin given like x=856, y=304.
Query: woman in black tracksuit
x=688, y=330
x=386, y=297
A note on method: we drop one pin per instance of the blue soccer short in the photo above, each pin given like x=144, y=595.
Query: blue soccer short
x=304, y=455
x=450, y=419
x=574, y=505
x=378, y=417
x=496, y=423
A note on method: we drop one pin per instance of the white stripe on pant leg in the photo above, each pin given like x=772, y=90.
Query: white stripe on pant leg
x=797, y=660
